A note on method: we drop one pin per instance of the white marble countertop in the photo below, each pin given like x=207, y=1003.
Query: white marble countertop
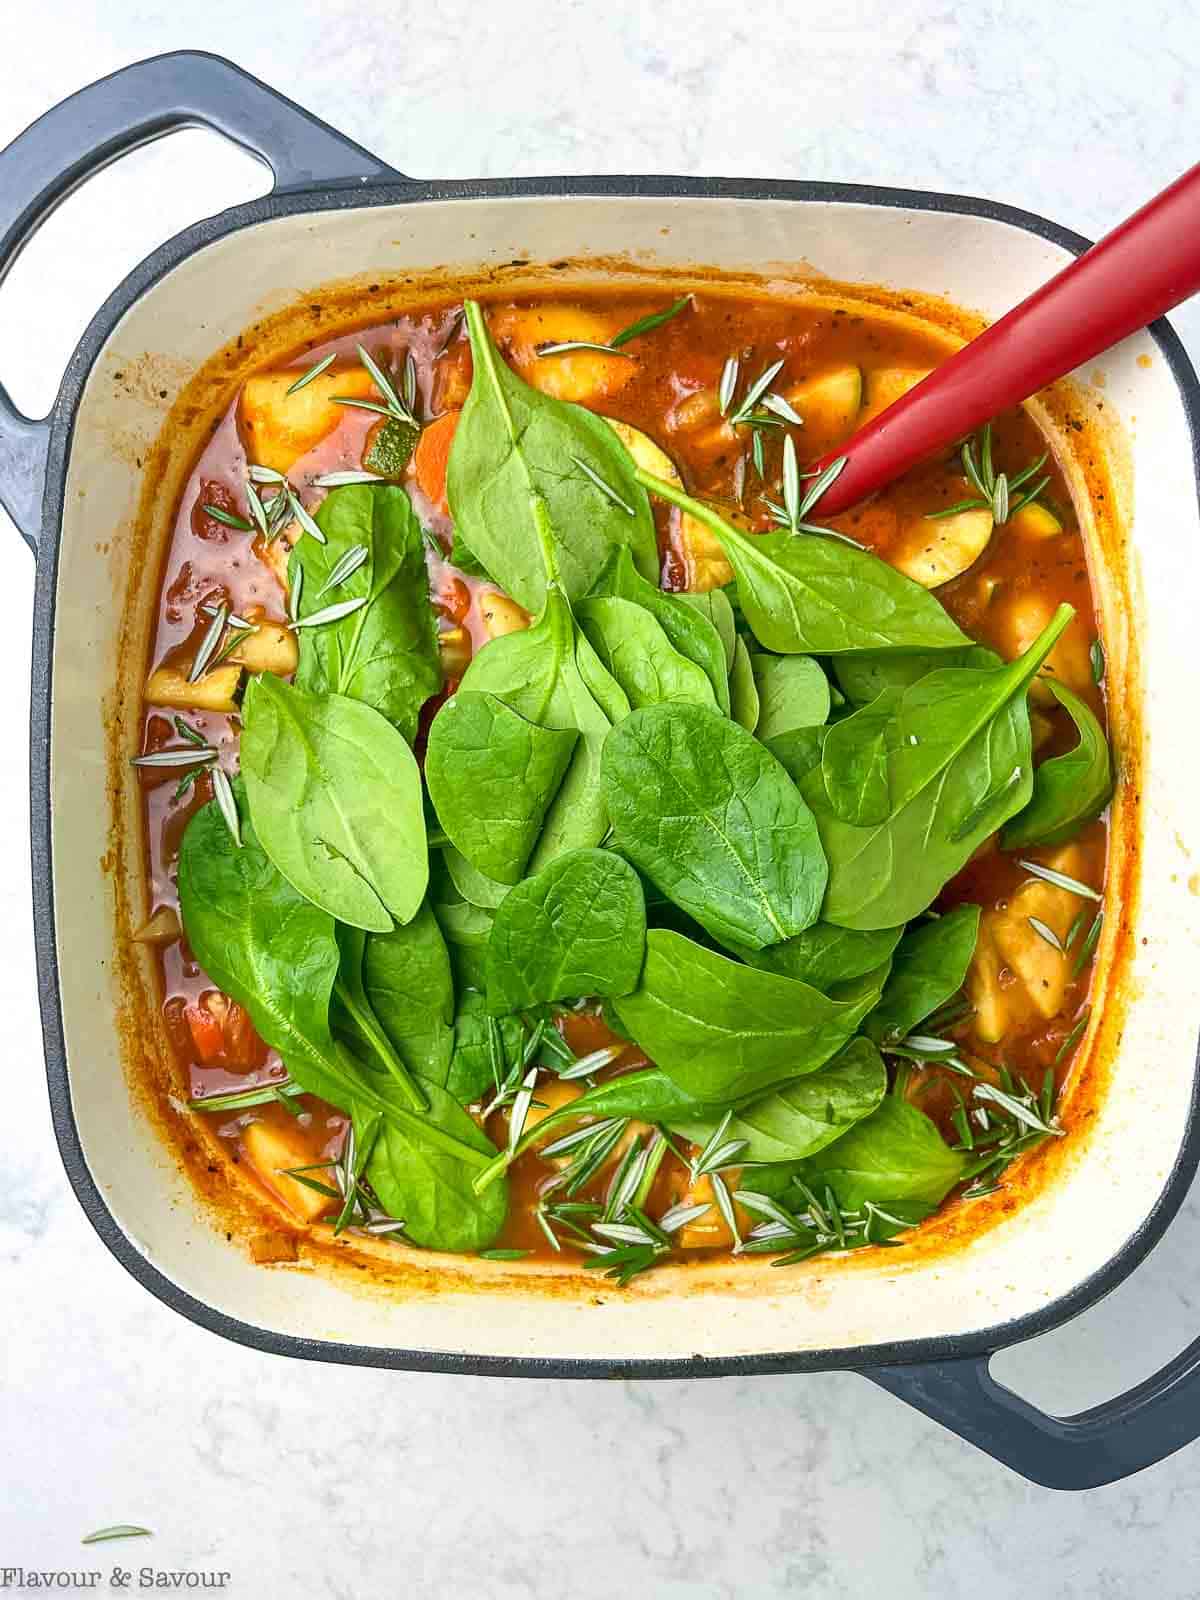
x=322, y=1480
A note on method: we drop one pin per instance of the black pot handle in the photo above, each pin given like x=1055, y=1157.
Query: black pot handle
x=76, y=139
x=1142, y=1426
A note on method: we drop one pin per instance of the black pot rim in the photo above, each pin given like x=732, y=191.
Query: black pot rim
x=401, y=191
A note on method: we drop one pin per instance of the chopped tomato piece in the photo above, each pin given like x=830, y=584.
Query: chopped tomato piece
x=432, y=457
x=222, y=1032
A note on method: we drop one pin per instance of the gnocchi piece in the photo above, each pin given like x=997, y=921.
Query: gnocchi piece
x=271, y=1152
x=213, y=691
x=931, y=551
x=278, y=428
x=1017, y=973
x=1023, y=618
x=162, y=927
x=885, y=385
x=581, y=375
x=704, y=559
x=272, y=647
x=710, y=1231
x=501, y=615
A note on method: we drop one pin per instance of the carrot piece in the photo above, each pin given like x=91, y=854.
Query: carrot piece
x=432, y=457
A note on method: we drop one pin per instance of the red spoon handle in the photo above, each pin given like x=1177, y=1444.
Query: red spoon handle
x=1143, y=268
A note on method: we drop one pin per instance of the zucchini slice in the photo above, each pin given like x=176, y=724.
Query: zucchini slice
x=931, y=551
x=704, y=559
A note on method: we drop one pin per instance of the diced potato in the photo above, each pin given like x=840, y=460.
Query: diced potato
x=885, y=385
x=829, y=404
x=213, y=691
x=554, y=1093
x=694, y=411
x=272, y=647
x=933, y=550
x=501, y=615
x=272, y=1151
x=278, y=428
x=703, y=556
x=580, y=375
x=1024, y=617
x=710, y=1231
x=1035, y=522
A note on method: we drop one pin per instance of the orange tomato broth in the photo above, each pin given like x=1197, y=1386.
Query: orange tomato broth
x=207, y=562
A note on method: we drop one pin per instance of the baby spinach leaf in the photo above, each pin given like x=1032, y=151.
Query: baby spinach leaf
x=854, y=762
x=464, y=924
x=816, y=596
x=406, y=978
x=929, y=968
x=636, y=651
x=715, y=607
x=723, y=1031
x=577, y=927
x=969, y=770
x=799, y=751
x=824, y=955
x=492, y=776
x=474, y=886
x=1068, y=790
x=863, y=677
x=352, y=1018
x=262, y=943
x=895, y=1155
x=472, y=1073
x=522, y=484
x=793, y=693
x=687, y=627
x=805, y=1115
x=711, y=817
x=419, y=1181
x=276, y=954
x=385, y=653
x=743, y=691
x=335, y=794
x=537, y=672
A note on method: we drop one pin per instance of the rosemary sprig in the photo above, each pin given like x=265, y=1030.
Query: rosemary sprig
x=614, y=346
x=337, y=480
x=399, y=404
x=1060, y=880
x=314, y=371
x=794, y=513
x=333, y=613
x=605, y=489
x=227, y=805
x=1091, y=939
x=349, y=564
x=175, y=757
x=246, y=1099
x=119, y=1530
x=208, y=644
x=994, y=491
x=230, y=518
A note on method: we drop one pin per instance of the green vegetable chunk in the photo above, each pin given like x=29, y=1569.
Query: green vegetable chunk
x=817, y=596
x=793, y=693
x=804, y=1116
x=542, y=491
x=335, y=794
x=928, y=968
x=385, y=653
x=689, y=629
x=492, y=776
x=895, y=1156
x=1068, y=790
x=959, y=765
x=636, y=651
x=391, y=448
x=723, y=1031
x=743, y=691
x=577, y=927
x=710, y=816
